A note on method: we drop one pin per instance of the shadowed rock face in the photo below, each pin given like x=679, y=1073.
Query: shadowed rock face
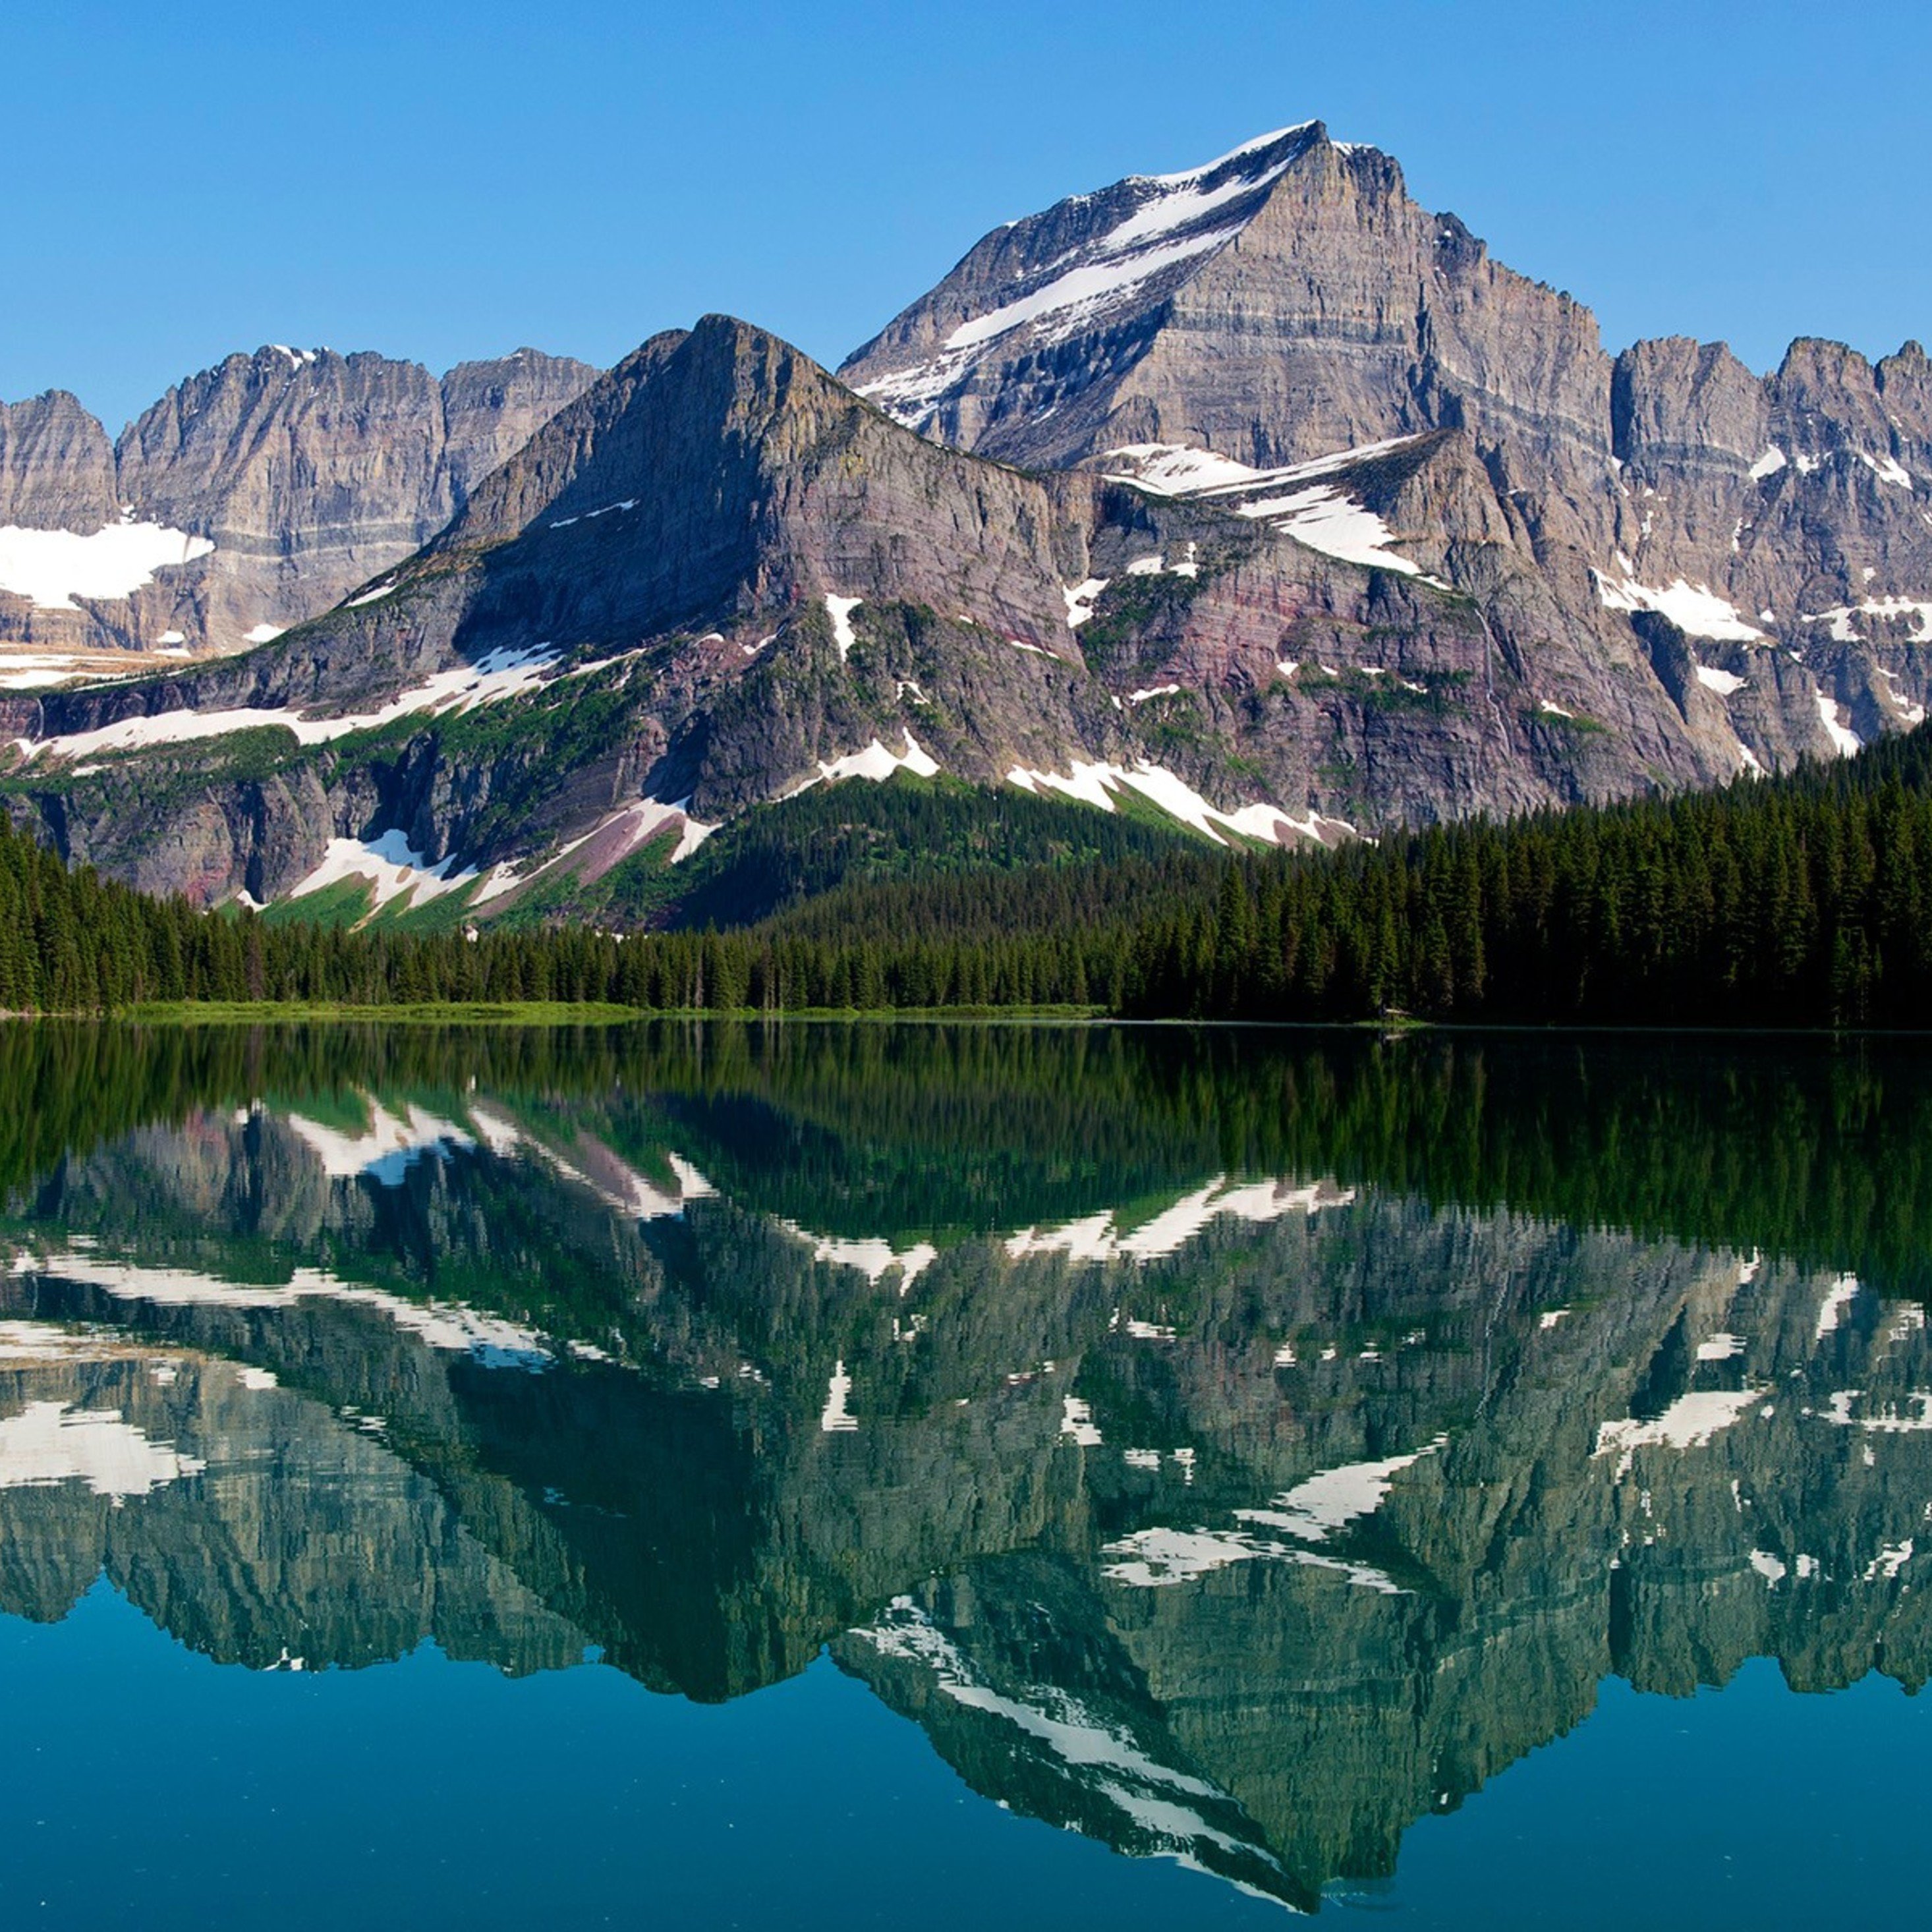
x=308, y=472
x=1244, y=1516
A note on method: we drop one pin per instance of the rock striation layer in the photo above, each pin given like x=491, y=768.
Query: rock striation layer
x=285, y=479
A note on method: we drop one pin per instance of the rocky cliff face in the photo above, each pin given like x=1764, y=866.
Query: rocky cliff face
x=250, y=497
x=56, y=466
x=1291, y=302
x=1328, y=523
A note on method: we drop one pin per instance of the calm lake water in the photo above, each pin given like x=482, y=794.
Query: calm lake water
x=829, y=1476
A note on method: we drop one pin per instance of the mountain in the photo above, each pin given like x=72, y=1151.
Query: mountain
x=1290, y=303
x=250, y=497
x=1255, y=498
x=719, y=576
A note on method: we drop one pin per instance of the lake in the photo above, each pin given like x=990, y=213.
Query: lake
x=823, y=1475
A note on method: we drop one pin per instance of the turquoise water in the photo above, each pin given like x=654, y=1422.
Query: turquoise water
x=833, y=1476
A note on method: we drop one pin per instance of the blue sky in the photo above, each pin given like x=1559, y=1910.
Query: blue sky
x=439, y=183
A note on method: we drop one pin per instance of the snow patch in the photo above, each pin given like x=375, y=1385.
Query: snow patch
x=836, y=1419
x=52, y=1442
x=21, y=1342
x=1725, y=683
x=385, y=1150
x=1076, y=1424
x=1081, y=600
x=445, y=1326
x=1887, y=469
x=874, y=762
x=1891, y=1420
x=1317, y=514
x=389, y=866
x=1325, y=519
x=1691, y=1422
x=1695, y=609
x=53, y=568
x=1076, y=296
x=1837, y=721
x=1098, y=1238
x=1843, y=620
x=501, y=674
x=1177, y=469
x=1315, y=1509
x=1174, y=469
x=1838, y=1298
x=1889, y=1562
x=874, y=1258
x=839, y=610
x=1153, y=1559
x=1094, y=783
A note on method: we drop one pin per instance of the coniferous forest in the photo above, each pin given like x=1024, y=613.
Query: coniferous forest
x=1803, y=901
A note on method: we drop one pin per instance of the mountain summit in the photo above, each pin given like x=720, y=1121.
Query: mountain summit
x=1256, y=497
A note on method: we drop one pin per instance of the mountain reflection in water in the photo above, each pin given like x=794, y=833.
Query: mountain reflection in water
x=1232, y=1447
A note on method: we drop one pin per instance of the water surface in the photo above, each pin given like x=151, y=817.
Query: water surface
x=723, y=1476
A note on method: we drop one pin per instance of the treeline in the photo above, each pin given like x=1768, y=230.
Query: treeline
x=1803, y=902
x=1799, y=902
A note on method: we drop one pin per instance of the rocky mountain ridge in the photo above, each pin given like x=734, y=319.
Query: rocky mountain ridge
x=1255, y=495
x=1307, y=306
x=251, y=496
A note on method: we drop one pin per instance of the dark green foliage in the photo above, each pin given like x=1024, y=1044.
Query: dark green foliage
x=783, y=855
x=1126, y=630
x=1802, y=902
x=1818, y=1151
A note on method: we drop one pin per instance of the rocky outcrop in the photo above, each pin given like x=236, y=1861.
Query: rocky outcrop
x=274, y=484
x=491, y=409
x=1313, y=308
x=56, y=467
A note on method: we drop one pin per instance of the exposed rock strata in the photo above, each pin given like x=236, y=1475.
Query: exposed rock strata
x=308, y=472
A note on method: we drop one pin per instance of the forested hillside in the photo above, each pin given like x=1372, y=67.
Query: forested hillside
x=1798, y=902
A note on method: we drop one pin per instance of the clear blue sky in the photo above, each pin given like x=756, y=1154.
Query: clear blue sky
x=441, y=182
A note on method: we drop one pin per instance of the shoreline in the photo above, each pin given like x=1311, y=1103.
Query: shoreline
x=597, y=1014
